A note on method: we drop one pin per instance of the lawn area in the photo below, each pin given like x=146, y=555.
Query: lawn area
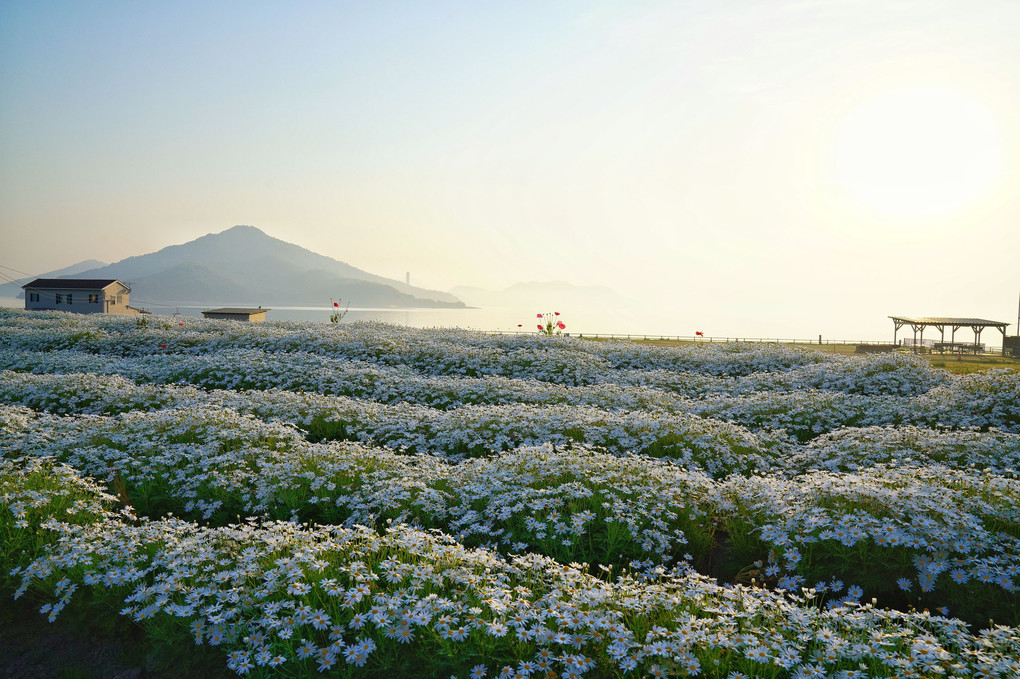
x=966, y=364
x=960, y=365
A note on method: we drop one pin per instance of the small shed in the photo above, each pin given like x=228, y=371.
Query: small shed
x=237, y=314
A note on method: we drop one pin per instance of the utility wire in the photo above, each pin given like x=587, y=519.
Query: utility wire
x=11, y=268
x=51, y=296
x=9, y=279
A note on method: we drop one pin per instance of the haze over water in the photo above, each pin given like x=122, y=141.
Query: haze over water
x=585, y=320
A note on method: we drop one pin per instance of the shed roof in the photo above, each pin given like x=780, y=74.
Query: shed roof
x=237, y=310
x=72, y=283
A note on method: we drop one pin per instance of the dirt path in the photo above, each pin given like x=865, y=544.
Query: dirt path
x=33, y=648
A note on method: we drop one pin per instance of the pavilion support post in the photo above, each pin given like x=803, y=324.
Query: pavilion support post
x=897, y=324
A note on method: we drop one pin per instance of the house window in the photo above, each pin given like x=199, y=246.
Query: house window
x=33, y=297
x=69, y=297
x=58, y=298
x=113, y=300
x=93, y=299
x=120, y=298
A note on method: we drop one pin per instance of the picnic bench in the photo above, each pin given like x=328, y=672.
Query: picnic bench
x=958, y=347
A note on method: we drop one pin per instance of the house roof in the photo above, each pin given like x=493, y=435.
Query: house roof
x=72, y=283
x=237, y=310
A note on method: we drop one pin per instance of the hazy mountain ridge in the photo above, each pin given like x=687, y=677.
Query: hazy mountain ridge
x=244, y=266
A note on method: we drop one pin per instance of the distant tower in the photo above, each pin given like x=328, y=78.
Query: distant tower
x=407, y=278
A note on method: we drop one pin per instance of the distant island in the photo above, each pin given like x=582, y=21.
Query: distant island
x=245, y=266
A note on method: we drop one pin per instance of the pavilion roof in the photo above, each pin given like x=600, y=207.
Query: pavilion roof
x=945, y=320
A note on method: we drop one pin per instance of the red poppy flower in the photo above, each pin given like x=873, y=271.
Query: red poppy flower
x=699, y=333
x=561, y=326
x=539, y=326
x=539, y=315
x=336, y=304
x=557, y=313
x=163, y=345
x=519, y=325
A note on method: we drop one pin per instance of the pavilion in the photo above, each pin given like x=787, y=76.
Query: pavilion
x=919, y=323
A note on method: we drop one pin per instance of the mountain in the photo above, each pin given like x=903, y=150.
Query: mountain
x=243, y=266
x=13, y=289
x=543, y=296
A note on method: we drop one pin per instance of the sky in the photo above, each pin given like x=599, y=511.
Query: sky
x=779, y=168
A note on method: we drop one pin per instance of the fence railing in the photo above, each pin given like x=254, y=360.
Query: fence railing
x=696, y=338
x=987, y=349
x=724, y=339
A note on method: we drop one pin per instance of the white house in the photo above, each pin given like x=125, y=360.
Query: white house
x=80, y=295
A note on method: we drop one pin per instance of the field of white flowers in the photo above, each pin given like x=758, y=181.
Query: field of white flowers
x=370, y=500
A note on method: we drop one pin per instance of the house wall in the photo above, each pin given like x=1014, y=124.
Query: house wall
x=79, y=300
x=117, y=299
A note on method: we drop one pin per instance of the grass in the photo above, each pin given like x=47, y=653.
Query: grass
x=959, y=365
x=966, y=364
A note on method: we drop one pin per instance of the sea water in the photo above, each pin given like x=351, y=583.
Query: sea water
x=579, y=320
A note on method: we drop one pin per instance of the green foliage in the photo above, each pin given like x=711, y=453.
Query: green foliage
x=336, y=316
x=33, y=490
x=322, y=429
